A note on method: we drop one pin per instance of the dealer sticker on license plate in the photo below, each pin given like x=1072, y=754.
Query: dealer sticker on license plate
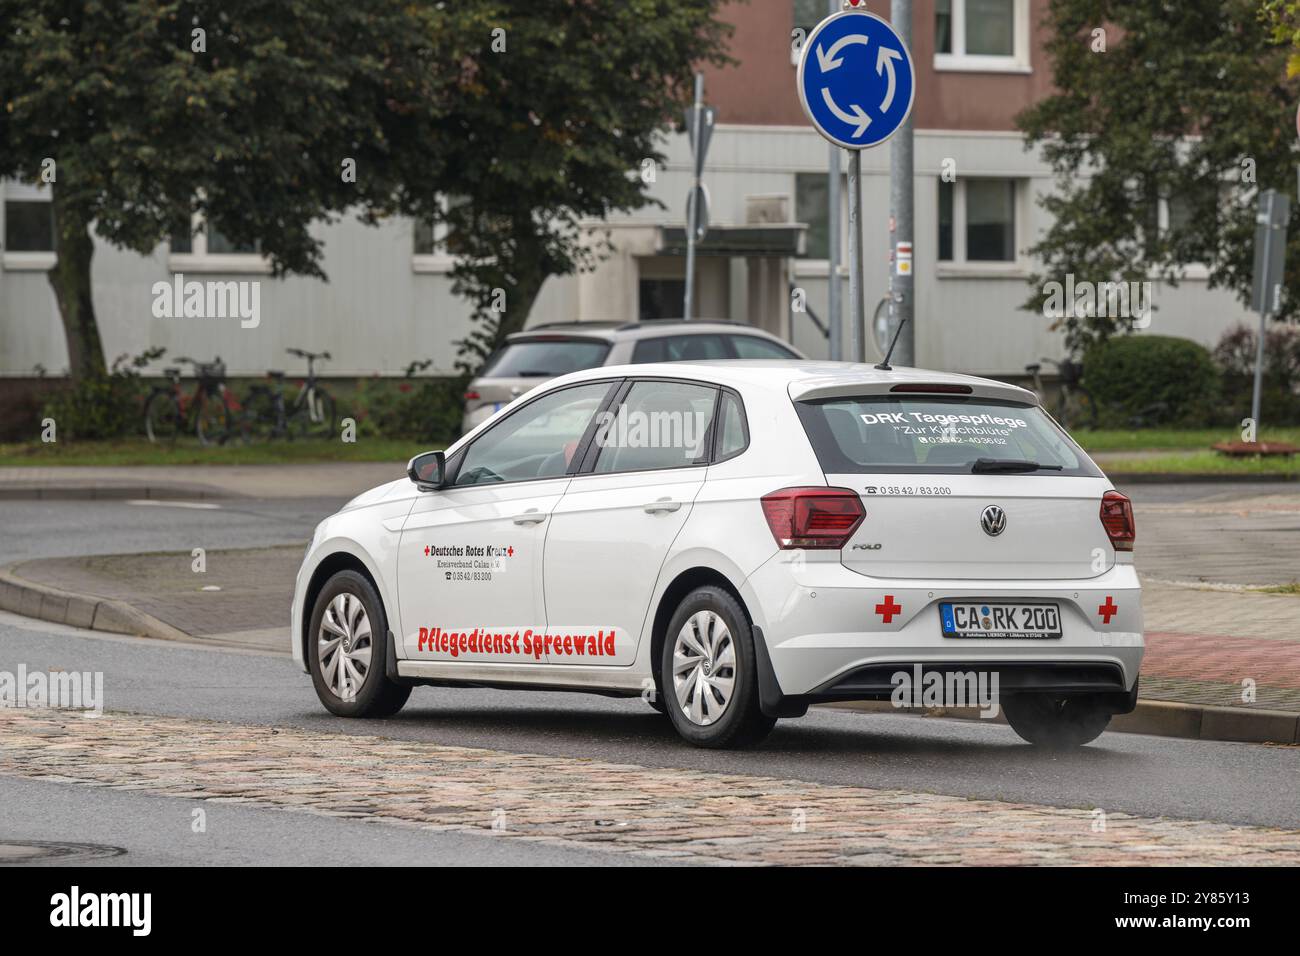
x=984, y=619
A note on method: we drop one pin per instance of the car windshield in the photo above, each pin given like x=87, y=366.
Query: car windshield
x=938, y=435
x=545, y=358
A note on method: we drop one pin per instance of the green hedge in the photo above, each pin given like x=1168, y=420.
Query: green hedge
x=1152, y=380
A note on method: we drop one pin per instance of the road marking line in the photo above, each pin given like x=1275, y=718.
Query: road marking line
x=158, y=503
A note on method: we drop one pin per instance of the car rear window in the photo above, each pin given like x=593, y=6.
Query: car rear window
x=937, y=435
x=545, y=358
x=704, y=346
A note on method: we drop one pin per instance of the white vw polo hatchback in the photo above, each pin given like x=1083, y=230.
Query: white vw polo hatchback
x=733, y=541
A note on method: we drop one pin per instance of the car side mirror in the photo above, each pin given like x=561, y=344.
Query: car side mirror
x=427, y=471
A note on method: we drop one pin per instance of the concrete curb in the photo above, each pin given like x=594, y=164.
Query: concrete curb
x=112, y=493
x=1159, y=718
x=45, y=603
x=1205, y=478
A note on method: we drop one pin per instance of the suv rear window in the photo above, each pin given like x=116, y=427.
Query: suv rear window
x=545, y=358
x=937, y=435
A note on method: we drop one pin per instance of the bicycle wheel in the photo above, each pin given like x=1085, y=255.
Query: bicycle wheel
x=258, y=419
x=211, y=421
x=162, y=418
x=314, y=416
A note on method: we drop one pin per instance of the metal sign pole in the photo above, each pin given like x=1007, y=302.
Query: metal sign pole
x=834, y=312
x=1270, y=261
x=856, y=314
x=693, y=211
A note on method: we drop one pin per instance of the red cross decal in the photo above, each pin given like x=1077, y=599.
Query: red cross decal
x=889, y=609
x=426, y=550
x=510, y=551
x=1107, y=610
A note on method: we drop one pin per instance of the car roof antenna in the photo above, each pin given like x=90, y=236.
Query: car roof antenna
x=884, y=365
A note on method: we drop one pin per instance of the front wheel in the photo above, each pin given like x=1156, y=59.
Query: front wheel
x=348, y=649
x=709, y=672
x=1055, y=723
x=162, y=418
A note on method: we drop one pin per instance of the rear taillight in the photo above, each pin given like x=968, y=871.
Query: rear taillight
x=1117, y=519
x=472, y=396
x=813, y=517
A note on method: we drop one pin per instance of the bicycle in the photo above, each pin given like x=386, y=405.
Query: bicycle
x=311, y=412
x=213, y=407
x=1074, y=403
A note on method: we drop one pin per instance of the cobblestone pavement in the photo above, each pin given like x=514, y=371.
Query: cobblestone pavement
x=692, y=815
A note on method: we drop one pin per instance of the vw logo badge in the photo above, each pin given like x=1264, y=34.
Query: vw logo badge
x=993, y=520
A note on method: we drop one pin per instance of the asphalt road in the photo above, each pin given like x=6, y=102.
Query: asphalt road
x=1231, y=783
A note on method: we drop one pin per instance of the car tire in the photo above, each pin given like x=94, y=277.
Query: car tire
x=349, y=613
x=1055, y=723
x=715, y=702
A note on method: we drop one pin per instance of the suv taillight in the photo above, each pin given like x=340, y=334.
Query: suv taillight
x=472, y=396
x=1117, y=519
x=813, y=517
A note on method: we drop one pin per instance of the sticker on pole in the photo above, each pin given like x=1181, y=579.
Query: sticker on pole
x=856, y=79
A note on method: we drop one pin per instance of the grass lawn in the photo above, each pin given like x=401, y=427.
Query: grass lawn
x=1203, y=463
x=1126, y=439
x=141, y=452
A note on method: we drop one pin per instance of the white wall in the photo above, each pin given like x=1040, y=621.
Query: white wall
x=377, y=313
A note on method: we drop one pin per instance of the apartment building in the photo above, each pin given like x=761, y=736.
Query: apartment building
x=388, y=301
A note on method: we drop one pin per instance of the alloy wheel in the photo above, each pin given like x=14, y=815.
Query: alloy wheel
x=704, y=668
x=344, y=645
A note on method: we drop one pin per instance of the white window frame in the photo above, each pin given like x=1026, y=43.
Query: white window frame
x=24, y=261
x=961, y=267
x=439, y=261
x=200, y=260
x=958, y=61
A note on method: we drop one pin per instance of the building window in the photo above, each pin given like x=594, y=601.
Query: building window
x=811, y=207
x=977, y=220
x=29, y=225
x=27, y=234
x=198, y=246
x=981, y=35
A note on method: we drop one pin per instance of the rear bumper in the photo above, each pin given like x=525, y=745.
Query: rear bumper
x=825, y=638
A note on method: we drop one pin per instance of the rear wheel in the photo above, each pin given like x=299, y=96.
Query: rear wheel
x=1055, y=723
x=348, y=649
x=709, y=672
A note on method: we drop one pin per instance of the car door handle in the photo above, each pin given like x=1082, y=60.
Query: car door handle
x=662, y=506
x=531, y=516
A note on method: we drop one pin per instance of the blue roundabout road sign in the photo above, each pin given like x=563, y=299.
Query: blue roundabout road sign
x=856, y=79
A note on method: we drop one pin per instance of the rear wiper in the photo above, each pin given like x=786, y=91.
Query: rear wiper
x=534, y=373
x=990, y=466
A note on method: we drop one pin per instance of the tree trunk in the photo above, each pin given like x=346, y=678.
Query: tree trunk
x=70, y=279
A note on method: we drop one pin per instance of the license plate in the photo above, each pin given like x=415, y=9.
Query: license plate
x=987, y=619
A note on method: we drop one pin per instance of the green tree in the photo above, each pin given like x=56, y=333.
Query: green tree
x=534, y=115
x=565, y=111
x=1189, y=102
x=243, y=111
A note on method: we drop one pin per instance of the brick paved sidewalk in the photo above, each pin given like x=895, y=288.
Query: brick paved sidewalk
x=693, y=815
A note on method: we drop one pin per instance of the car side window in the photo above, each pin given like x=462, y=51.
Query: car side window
x=537, y=441
x=680, y=348
x=657, y=425
x=752, y=347
x=734, y=435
